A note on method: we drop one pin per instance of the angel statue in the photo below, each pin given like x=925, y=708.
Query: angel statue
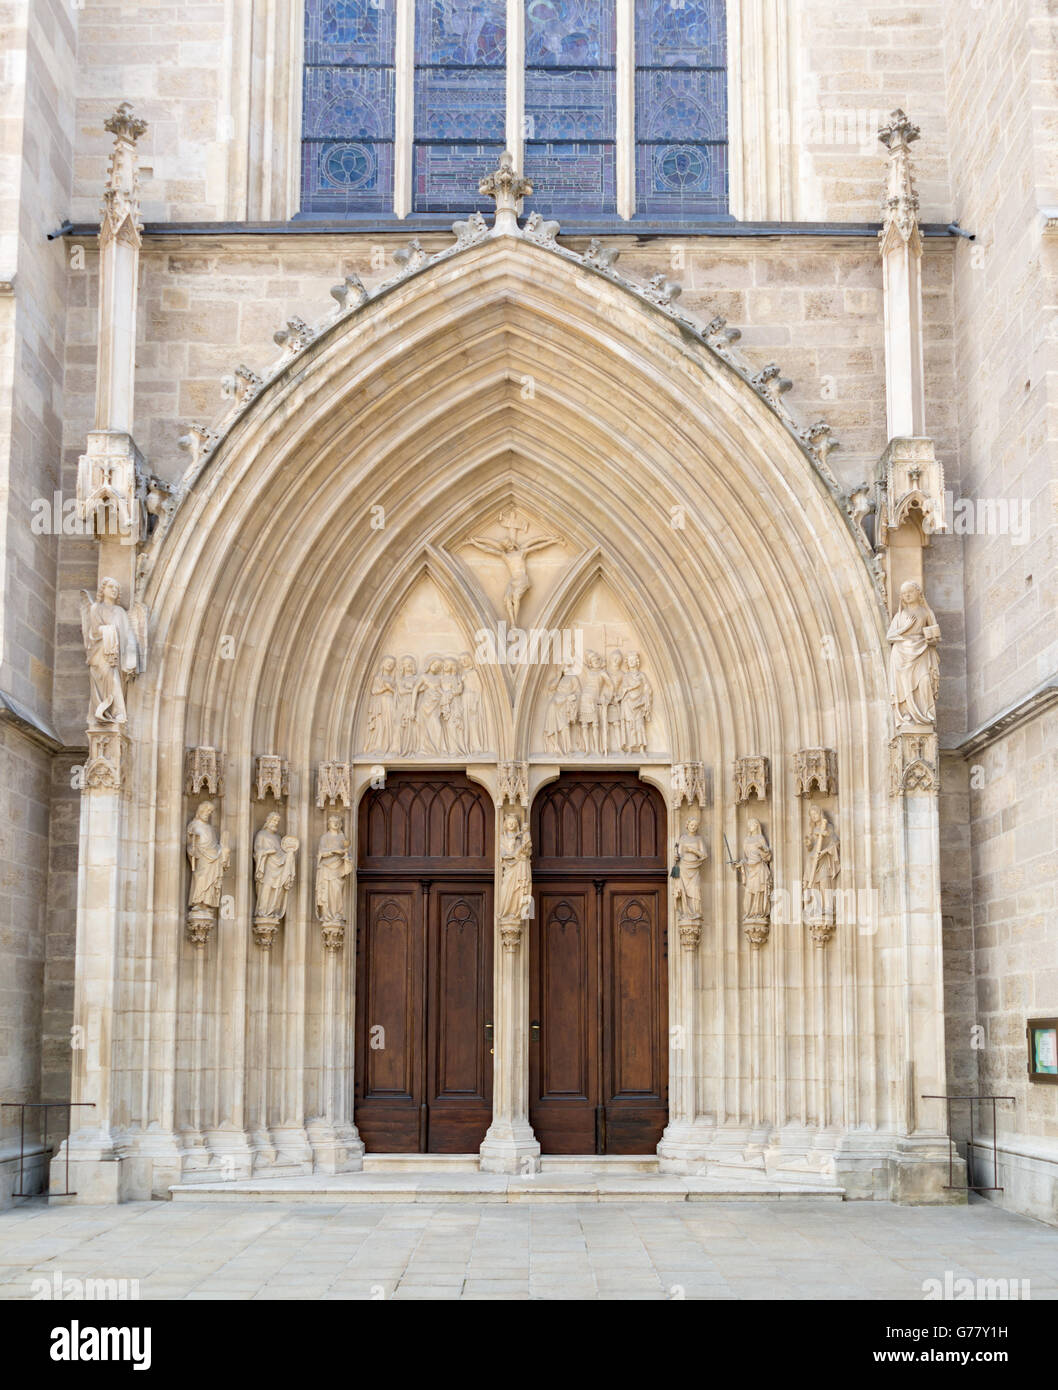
x=115, y=643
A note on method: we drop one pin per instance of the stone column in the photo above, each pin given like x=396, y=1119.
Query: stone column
x=510, y=1145
x=901, y=247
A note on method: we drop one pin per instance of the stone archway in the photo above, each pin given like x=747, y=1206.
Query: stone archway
x=331, y=526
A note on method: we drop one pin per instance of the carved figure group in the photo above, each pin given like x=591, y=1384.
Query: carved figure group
x=604, y=708
x=438, y=710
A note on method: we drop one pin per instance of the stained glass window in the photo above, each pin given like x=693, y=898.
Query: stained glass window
x=454, y=127
x=460, y=100
x=347, y=110
x=571, y=106
x=681, y=108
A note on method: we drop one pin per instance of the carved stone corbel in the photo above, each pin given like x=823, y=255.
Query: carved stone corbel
x=272, y=777
x=914, y=766
x=689, y=784
x=815, y=769
x=513, y=784
x=204, y=771
x=751, y=778
x=333, y=782
x=107, y=764
x=112, y=487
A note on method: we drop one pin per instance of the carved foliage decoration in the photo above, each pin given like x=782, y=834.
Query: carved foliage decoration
x=751, y=778
x=815, y=769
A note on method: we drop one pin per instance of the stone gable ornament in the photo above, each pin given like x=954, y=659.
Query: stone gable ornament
x=472, y=230
x=914, y=664
x=209, y=856
x=275, y=868
x=507, y=187
x=333, y=784
x=541, y=231
x=751, y=778
x=350, y=294
x=900, y=205
x=755, y=874
x=115, y=641
x=515, y=905
x=333, y=867
x=815, y=769
x=824, y=866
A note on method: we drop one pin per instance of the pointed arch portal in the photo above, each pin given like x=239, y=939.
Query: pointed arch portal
x=699, y=550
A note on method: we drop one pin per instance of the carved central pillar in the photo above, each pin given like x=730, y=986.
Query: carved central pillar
x=510, y=1145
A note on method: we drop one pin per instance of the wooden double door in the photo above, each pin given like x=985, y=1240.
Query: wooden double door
x=598, y=1055
x=424, y=966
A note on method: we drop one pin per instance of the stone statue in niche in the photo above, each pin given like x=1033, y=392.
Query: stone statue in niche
x=824, y=866
x=754, y=871
x=514, y=550
x=115, y=642
x=275, y=867
x=438, y=711
x=516, y=879
x=691, y=854
x=604, y=708
x=914, y=663
x=209, y=856
x=333, y=867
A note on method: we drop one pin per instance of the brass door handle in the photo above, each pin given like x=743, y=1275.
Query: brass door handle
x=534, y=1032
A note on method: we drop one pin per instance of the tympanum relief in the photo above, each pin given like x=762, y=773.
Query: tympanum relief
x=436, y=710
x=513, y=548
x=604, y=708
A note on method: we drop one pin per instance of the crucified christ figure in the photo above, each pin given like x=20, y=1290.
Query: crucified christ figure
x=513, y=551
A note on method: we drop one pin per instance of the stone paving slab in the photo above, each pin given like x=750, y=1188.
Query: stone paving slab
x=271, y=1251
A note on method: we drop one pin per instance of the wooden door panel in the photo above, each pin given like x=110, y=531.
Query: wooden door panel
x=564, y=1052
x=459, y=1065
x=389, y=1009
x=636, y=1081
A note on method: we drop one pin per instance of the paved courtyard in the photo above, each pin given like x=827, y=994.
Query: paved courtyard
x=732, y=1250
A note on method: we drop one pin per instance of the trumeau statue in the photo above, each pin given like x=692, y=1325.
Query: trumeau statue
x=115, y=643
x=516, y=878
x=604, y=708
x=514, y=551
x=436, y=711
x=690, y=856
x=914, y=664
x=333, y=867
